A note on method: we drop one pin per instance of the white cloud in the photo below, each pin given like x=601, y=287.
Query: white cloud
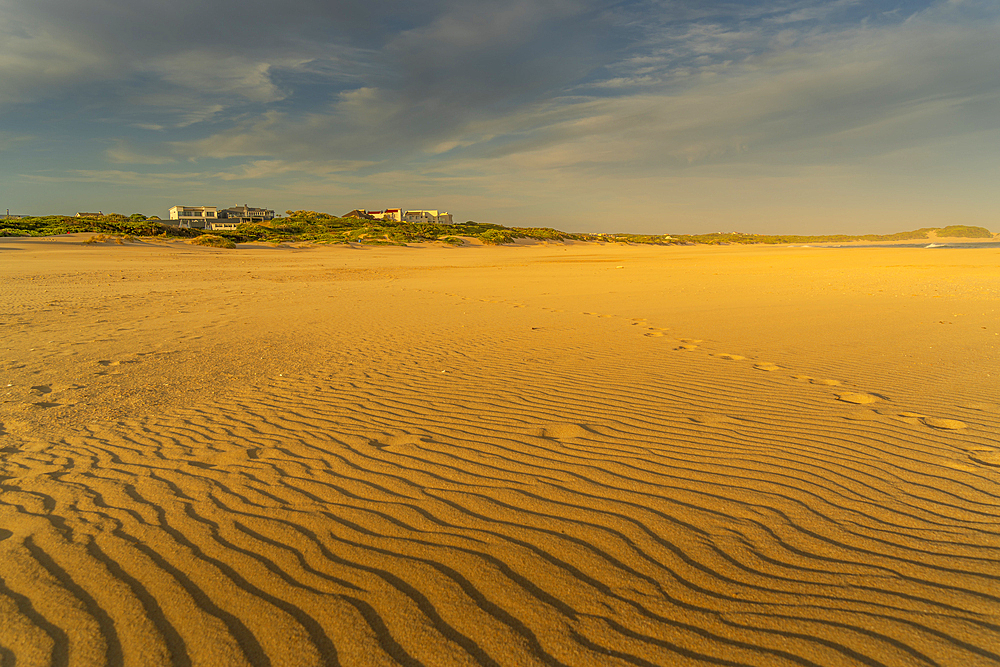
x=837, y=97
x=212, y=74
x=259, y=169
x=120, y=177
x=34, y=63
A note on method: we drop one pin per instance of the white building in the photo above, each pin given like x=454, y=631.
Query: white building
x=441, y=218
x=200, y=217
x=395, y=214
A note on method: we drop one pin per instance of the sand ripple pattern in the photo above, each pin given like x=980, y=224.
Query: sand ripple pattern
x=434, y=518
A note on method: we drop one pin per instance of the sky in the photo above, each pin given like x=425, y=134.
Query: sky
x=646, y=116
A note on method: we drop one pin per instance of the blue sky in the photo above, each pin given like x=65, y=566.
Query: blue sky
x=639, y=115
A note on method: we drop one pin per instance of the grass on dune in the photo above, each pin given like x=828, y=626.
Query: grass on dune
x=213, y=241
x=316, y=227
x=965, y=231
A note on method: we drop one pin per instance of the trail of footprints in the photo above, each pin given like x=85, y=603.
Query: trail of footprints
x=987, y=456
x=983, y=456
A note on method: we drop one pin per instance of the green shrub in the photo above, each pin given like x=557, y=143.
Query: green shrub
x=497, y=236
x=212, y=241
x=325, y=228
x=247, y=232
x=965, y=231
x=543, y=233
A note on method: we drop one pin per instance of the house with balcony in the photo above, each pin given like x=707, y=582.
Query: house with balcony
x=193, y=217
x=394, y=214
x=441, y=218
x=229, y=218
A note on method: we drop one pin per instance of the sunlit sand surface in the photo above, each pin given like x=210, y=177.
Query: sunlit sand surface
x=542, y=455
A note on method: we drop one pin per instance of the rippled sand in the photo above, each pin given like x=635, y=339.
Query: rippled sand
x=544, y=455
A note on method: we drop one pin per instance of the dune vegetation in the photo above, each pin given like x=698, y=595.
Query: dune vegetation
x=213, y=241
x=965, y=231
x=316, y=227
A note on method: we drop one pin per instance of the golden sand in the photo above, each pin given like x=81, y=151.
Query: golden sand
x=541, y=455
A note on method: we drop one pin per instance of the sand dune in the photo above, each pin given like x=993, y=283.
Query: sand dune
x=498, y=456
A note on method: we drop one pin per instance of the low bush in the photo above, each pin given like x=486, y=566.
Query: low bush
x=212, y=241
x=965, y=231
x=497, y=236
x=301, y=225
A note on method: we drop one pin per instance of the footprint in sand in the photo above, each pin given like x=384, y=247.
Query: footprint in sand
x=944, y=424
x=729, y=357
x=935, y=422
x=398, y=443
x=767, y=366
x=856, y=398
x=654, y=334
x=986, y=457
x=559, y=431
x=686, y=346
x=910, y=417
x=825, y=383
x=709, y=419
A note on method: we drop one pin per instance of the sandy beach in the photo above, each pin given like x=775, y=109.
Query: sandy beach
x=553, y=454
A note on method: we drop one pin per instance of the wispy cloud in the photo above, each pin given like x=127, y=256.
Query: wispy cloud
x=118, y=177
x=831, y=96
x=9, y=140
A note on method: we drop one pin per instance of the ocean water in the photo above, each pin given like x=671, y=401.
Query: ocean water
x=925, y=244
